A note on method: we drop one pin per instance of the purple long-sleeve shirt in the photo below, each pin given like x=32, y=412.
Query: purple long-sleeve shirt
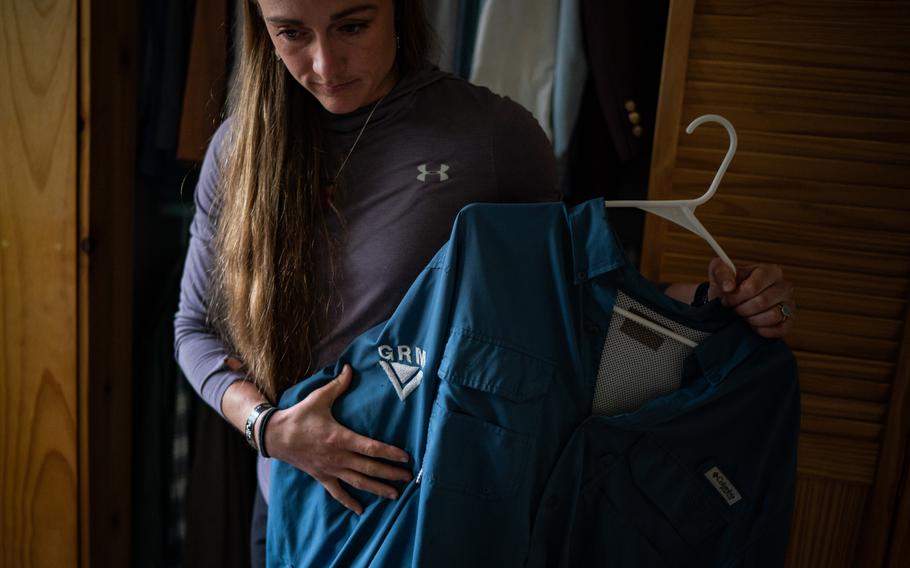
x=434, y=145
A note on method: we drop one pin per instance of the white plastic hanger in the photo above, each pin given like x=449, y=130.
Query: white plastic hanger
x=682, y=212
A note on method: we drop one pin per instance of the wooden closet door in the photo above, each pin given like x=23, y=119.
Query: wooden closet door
x=67, y=109
x=38, y=288
x=819, y=93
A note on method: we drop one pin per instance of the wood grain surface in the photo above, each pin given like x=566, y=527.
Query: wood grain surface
x=38, y=348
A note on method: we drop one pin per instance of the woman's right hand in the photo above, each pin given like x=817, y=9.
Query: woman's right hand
x=308, y=437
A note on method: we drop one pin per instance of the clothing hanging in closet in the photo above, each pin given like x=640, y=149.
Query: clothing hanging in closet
x=569, y=75
x=515, y=54
x=466, y=35
x=443, y=17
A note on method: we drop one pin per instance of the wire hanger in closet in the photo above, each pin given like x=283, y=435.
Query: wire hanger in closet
x=682, y=212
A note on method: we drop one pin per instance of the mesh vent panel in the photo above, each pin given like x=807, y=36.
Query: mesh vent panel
x=638, y=364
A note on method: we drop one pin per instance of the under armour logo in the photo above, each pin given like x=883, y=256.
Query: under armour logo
x=441, y=172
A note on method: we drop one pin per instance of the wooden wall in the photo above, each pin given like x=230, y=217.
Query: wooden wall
x=38, y=306
x=819, y=93
x=67, y=114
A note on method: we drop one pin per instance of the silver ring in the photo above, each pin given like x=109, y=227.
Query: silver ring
x=785, y=312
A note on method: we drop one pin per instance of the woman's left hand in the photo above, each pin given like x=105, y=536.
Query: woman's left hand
x=758, y=293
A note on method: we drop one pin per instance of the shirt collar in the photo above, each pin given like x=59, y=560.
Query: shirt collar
x=594, y=246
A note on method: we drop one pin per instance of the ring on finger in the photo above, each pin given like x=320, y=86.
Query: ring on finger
x=785, y=312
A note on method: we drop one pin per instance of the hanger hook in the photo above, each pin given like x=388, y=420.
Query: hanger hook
x=682, y=211
x=727, y=159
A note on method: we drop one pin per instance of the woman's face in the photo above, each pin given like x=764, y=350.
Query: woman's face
x=341, y=51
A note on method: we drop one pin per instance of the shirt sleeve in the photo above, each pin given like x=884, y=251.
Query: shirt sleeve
x=523, y=157
x=200, y=353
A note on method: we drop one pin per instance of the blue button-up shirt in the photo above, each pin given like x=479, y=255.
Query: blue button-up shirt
x=485, y=375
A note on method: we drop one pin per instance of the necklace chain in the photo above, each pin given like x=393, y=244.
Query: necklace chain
x=356, y=140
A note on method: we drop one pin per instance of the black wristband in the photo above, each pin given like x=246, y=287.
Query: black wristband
x=265, y=420
x=701, y=295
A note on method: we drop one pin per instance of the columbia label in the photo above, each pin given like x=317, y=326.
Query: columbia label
x=723, y=485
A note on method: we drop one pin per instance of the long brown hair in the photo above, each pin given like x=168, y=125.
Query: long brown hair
x=276, y=258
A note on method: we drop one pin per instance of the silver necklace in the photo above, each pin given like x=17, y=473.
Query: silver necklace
x=356, y=140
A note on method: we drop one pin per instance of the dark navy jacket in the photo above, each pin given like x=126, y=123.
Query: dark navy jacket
x=485, y=375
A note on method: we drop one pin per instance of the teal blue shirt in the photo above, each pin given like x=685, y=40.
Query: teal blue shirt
x=486, y=375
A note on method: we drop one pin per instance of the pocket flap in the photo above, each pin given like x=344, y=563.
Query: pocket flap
x=481, y=363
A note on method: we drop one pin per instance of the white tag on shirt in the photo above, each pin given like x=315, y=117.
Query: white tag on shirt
x=722, y=484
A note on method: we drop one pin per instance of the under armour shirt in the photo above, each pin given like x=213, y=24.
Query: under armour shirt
x=435, y=144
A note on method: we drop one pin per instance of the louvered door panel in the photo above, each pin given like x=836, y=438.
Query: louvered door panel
x=819, y=93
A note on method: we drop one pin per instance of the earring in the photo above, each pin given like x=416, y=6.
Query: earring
x=397, y=42
x=277, y=57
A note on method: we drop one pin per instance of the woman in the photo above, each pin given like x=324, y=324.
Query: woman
x=337, y=176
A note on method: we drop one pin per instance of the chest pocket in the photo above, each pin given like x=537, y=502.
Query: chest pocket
x=488, y=400
x=478, y=465
x=474, y=457
x=650, y=504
